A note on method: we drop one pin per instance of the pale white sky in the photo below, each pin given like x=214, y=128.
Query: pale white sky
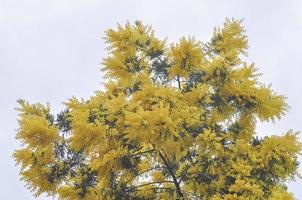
x=52, y=49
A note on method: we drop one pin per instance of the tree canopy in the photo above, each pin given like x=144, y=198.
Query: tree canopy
x=175, y=121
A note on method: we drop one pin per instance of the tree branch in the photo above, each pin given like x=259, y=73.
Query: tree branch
x=146, y=184
x=170, y=169
x=148, y=151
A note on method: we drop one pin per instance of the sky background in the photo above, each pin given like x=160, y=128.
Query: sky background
x=51, y=50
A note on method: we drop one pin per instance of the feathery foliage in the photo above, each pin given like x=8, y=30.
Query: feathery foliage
x=174, y=122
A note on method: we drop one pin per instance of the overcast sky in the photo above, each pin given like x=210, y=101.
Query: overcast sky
x=52, y=49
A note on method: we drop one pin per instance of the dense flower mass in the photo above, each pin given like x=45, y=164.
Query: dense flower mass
x=174, y=122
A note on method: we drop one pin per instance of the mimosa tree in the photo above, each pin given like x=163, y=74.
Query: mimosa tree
x=173, y=122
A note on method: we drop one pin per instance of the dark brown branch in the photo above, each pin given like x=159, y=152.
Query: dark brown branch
x=143, y=152
x=170, y=169
x=146, y=184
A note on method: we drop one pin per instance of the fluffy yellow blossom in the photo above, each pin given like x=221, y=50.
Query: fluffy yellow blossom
x=173, y=122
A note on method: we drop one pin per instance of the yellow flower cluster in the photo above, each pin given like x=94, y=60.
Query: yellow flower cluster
x=173, y=122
